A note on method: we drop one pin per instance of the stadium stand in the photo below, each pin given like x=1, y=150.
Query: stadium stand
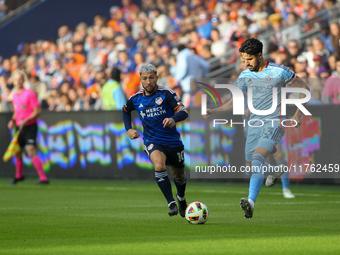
x=68, y=73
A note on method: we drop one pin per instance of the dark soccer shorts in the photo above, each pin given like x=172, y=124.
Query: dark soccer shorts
x=174, y=155
x=28, y=135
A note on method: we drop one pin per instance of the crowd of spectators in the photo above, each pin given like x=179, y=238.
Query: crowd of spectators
x=96, y=66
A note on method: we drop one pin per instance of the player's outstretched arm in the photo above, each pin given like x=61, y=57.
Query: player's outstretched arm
x=224, y=108
x=133, y=134
x=299, y=83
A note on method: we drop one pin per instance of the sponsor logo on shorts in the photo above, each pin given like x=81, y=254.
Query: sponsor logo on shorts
x=150, y=147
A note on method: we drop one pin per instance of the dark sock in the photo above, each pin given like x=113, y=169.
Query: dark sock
x=164, y=184
x=180, y=185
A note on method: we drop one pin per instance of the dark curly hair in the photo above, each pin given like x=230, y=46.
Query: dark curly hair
x=251, y=46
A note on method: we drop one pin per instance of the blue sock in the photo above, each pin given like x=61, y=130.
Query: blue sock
x=180, y=185
x=165, y=185
x=256, y=179
x=285, y=176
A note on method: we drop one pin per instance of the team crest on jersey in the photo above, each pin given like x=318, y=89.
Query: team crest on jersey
x=150, y=147
x=269, y=78
x=159, y=100
x=23, y=107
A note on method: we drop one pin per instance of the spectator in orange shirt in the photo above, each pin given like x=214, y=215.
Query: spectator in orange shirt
x=197, y=42
x=116, y=17
x=74, y=64
x=130, y=82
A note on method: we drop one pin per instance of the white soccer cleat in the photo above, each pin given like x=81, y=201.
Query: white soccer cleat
x=288, y=194
x=272, y=179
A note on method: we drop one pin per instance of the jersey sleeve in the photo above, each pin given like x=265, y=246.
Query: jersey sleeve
x=174, y=102
x=129, y=107
x=33, y=100
x=288, y=76
x=241, y=83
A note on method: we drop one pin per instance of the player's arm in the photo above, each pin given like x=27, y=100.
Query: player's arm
x=12, y=121
x=240, y=83
x=133, y=134
x=299, y=83
x=224, y=108
x=180, y=113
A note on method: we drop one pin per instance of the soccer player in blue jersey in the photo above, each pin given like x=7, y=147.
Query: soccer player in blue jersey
x=261, y=76
x=278, y=155
x=160, y=109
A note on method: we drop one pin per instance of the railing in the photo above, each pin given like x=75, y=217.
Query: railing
x=16, y=7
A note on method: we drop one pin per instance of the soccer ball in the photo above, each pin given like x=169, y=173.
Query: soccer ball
x=197, y=213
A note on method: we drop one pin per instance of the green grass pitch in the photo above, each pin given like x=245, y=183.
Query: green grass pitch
x=130, y=217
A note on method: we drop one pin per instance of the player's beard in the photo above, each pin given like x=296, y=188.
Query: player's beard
x=256, y=67
x=150, y=90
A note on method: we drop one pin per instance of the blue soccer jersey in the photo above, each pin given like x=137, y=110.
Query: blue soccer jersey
x=152, y=110
x=262, y=84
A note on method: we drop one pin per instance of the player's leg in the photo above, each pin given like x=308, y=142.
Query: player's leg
x=158, y=159
x=31, y=151
x=280, y=159
x=19, y=164
x=175, y=156
x=247, y=204
x=180, y=182
x=256, y=180
x=264, y=142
